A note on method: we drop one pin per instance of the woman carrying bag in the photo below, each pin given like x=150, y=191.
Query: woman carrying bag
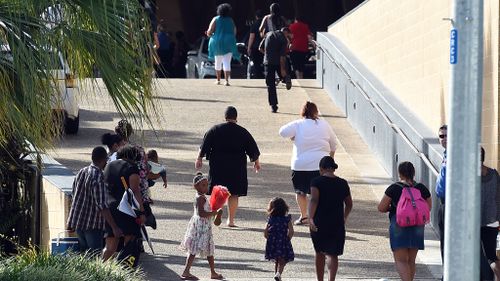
x=405, y=241
x=125, y=167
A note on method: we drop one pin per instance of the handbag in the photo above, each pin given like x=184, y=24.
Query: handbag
x=150, y=218
x=130, y=253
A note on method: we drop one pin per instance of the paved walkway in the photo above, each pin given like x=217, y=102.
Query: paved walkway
x=187, y=109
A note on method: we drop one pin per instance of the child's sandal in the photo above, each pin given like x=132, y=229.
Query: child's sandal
x=218, y=219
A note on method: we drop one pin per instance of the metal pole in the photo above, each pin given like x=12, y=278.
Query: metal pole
x=461, y=259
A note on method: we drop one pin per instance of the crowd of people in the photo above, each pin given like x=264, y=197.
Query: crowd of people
x=273, y=44
x=124, y=173
x=171, y=53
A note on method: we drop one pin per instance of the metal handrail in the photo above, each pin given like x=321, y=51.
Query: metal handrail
x=395, y=127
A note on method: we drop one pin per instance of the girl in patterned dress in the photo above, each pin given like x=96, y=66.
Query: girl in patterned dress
x=279, y=232
x=198, y=239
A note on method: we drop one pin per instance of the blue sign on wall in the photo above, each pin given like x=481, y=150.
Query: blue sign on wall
x=453, y=46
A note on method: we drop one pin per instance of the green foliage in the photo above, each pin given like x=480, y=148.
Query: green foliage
x=30, y=264
x=113, y=36
x=110, y=35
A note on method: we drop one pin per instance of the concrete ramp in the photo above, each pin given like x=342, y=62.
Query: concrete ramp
x=188, y=108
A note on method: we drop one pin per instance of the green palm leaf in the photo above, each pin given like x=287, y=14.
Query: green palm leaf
x=112, y=35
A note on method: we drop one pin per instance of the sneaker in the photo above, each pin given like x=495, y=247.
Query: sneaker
x=277, y=276
x=217, y=82
x=288, y=82
x=226, y=83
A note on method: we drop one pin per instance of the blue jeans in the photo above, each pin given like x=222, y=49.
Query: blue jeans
x=92, y=239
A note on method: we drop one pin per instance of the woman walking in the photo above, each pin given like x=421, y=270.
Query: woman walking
x=222, y=44
x=331, y=203
x=312, y=139
x=405, y=241
x=116, y=174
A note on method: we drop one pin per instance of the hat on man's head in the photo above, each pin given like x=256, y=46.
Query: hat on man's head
x=327, y=162
x=231, y=113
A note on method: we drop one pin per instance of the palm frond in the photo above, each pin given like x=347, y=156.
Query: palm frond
x=111, y=35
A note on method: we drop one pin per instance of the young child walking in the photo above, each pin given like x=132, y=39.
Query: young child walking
x=279, y=232
x=198, y=239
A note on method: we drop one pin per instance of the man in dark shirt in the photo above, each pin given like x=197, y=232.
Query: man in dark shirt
x=89, y=208
x=226, y=147
x=256, y=57
x=274, y=49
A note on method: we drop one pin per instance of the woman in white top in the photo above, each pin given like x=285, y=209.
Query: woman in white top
x=312, y=139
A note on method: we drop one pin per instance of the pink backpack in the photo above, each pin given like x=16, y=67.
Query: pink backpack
x=412, y=209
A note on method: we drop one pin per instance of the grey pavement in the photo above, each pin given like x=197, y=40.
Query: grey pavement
x=187, y=108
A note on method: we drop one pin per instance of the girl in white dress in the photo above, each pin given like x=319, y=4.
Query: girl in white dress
x=198, y=239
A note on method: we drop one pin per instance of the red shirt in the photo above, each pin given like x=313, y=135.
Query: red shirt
x=300, y=39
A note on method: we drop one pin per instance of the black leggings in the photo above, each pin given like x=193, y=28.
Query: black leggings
x=489, y=242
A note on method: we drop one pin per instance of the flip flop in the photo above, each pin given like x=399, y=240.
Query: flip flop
x=189, y=277
x=232, y=225
x=218, y=219
x=302, y=221
x=218, y=277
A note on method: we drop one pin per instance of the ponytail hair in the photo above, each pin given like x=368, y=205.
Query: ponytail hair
x=124, y=129
x=309, y=111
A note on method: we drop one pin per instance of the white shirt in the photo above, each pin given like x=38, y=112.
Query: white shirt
x=112, y=157
x=312, y=140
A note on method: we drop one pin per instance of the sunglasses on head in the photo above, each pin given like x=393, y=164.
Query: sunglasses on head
x=442, y=136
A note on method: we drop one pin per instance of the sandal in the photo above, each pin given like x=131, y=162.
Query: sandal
x=218, y=276
x=218, y=219
x=301, y=221
x=189, y=277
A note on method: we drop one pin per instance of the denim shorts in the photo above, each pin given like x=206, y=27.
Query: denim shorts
x=92, y=239
x=405, y=237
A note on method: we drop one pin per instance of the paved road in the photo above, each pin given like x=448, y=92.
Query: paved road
x=187, y=108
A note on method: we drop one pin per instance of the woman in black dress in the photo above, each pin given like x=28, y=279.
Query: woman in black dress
x=330, y=205
x=226, y=147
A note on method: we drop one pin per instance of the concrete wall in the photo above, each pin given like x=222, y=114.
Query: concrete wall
x=386, y=124
x=405, y=44
x=55, y=200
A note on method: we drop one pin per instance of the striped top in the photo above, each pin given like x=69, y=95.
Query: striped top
x=89, y=198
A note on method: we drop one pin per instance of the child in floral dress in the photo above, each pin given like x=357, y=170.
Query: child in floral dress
x=198, y=239
x=279, y=232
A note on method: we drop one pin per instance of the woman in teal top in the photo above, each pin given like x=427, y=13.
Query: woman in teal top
x=222, y=44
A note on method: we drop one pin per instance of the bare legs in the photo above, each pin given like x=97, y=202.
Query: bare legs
x=302, y=202
x=332, y=263
x=213, y=274
x=227, y=76
x=405, y=262
x=232, y=206
x=186, y=274
x=112, y=245
x=218, y=74
x=495, y=266
x=279, y=266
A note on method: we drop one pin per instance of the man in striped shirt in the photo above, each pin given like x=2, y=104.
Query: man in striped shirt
x=89, y=208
